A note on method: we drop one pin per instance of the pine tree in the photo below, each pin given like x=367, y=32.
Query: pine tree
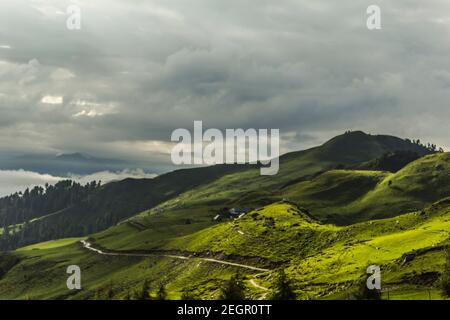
x=445, y=278
x=364, y=293
x=188, y=295
x=162, y=295
x=233, y=289
x=144, y=294
x=283, y=289
x=110, y=291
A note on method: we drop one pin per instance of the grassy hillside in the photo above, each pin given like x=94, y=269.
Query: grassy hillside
x=221, y=185
x=320, y=220
x=322, y=261
x=328, y=194
x=421, y=182
x=308, y=177
x=348, y=196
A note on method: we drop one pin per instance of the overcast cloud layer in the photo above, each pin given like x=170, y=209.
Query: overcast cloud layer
x=12, y=181
x=137, y=70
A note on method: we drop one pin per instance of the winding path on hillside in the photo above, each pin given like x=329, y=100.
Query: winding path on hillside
x=256, y=285
x=87, y=245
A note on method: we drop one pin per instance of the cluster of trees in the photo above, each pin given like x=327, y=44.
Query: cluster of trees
x=19, y=214
x=283, y=288
x=394, y=161
x=364, y=293
x=59, y=226
x=234, y=288
x=429, y=146
x=144, y=293
x=39, y=201
x=71, y=210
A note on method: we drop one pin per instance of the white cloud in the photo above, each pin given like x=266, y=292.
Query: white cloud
x=18, y=180
x=92, y=109
x=61, y=74
x=91, y=113
x=52, y=99
x=46, y=9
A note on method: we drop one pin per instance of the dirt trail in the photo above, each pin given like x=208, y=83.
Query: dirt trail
x=256, y=285
x=87, y=245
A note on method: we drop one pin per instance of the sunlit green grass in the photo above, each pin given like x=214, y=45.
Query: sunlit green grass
x=51, y=244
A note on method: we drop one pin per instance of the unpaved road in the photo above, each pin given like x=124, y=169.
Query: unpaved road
x=89, y=246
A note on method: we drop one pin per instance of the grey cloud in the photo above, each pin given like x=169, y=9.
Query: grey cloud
x=139, y=69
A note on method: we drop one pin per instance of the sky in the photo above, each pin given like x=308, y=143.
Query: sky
x=139, y=69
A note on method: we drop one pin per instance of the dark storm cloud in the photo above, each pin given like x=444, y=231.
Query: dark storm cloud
x=139, y=69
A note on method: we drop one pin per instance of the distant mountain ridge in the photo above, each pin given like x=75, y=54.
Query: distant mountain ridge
x=63, y=164
x=77, y=156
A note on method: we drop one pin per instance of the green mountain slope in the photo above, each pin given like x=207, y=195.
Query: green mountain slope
x=347, y=196
x=249, y=189
x=319, y=219
x=329, y=194
x=322, y=261
x=421, y=182
x=338, y=196
x=207, y=187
